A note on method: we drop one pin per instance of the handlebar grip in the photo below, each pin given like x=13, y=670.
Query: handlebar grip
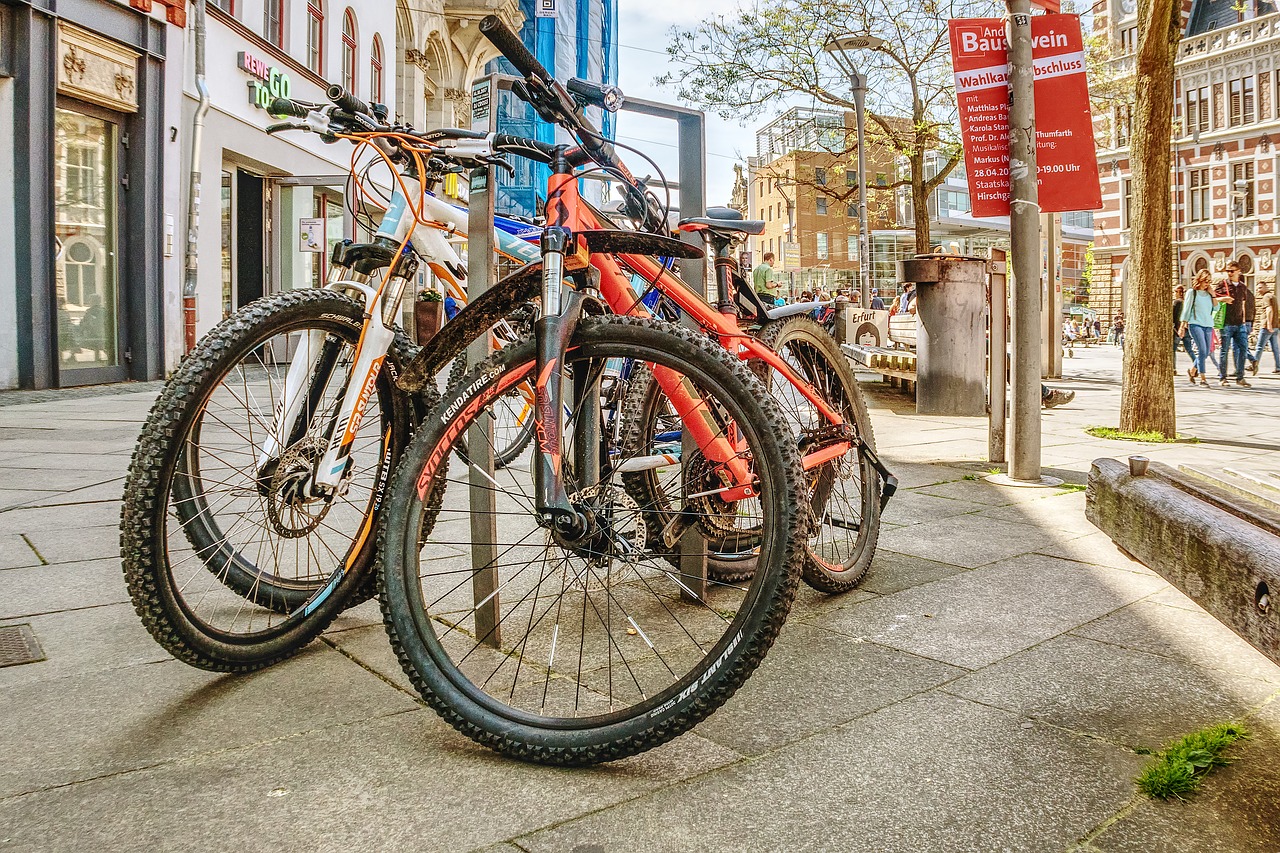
x=286, y=107
x=512, y=48
x=347, y=101
x=530, y=149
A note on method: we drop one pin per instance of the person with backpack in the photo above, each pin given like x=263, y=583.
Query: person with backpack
x=1197, y=320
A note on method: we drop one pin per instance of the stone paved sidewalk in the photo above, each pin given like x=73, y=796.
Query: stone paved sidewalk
x=986, y=689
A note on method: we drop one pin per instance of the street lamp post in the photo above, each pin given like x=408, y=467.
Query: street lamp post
x=841, y=48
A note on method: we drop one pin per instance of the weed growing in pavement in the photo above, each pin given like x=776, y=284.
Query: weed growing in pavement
x=1180, y=766
x=1073, y=487
x=1152, y=437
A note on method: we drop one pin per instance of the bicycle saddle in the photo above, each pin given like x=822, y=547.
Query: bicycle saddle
x=723, y=219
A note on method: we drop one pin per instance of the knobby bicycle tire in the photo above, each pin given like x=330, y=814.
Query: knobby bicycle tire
x=534, y=722
x=835, y=560
x=295, y=609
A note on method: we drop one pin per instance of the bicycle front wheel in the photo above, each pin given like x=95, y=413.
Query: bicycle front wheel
x=231, y=561
x=578, y=649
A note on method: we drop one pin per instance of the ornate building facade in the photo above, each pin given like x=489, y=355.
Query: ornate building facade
x=1226, y=128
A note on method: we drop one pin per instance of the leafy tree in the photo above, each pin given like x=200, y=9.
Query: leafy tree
x=1146, y=396
x=770, y=54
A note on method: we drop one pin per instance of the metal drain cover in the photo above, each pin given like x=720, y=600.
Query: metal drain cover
x=18, y=645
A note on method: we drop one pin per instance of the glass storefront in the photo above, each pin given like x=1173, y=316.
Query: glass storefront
x=85, y=214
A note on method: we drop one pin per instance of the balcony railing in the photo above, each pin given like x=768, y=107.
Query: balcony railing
x=1252, y=31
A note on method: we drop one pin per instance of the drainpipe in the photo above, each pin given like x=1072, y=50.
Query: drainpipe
x=193, y=202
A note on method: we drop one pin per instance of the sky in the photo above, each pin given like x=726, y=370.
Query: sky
x=643, y=34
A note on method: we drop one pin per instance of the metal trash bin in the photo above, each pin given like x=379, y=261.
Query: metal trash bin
x=951, y=347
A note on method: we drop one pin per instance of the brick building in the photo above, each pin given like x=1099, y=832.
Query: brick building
x=803, y=182
x=1226, y=124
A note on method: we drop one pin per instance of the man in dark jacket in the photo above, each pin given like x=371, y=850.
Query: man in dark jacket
x=1235, y=331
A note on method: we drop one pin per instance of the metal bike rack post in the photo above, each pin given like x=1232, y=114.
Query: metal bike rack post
x=691, y=142
x=481, y=275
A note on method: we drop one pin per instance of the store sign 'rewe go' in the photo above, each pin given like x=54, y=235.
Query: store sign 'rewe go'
x=270, y=83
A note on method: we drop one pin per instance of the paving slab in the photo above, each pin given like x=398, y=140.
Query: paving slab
x=78, y=642
x=913, y=506
x=62, y=516
x=1111, y=692
x=893, y=572
x=125, y=719
x=1189, y=635
x=62, y=546
x=981, y=616
x=813, y=680
x=65, y=586
x=969, y=541
x=15, y=552
x=932, y=773
x=1234, y=811
x=404, y=782
x=1095, y=548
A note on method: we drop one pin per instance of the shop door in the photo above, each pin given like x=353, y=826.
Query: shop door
x=92, y=331
x=251, y=237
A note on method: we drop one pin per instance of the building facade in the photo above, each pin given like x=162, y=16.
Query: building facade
x=1226, y=126
x=97, y=104
x=580, y=40
x=803, y=182
x=86, y=103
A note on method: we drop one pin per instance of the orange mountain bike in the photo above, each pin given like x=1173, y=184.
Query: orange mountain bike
x=547, y=608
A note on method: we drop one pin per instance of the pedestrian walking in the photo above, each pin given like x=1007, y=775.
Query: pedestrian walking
x=1197, y=321
x=1117, y=330
x=1232, y=293
x=877, y=304
x=1268, y=333
x=1181, y=337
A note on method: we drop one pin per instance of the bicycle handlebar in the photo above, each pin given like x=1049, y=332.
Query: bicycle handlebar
x=286, y=107
x=509, y=44
x=349, y=102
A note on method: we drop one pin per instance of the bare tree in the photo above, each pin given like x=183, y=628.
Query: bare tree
x=770, y=54
x=1146, y=397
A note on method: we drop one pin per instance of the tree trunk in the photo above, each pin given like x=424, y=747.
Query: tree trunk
x=1146, y=398
x=920, y=202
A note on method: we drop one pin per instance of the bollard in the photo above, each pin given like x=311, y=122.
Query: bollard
x=951, y=333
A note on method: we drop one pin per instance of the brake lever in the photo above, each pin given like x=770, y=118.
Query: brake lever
x=502, y=163
x=288, y=125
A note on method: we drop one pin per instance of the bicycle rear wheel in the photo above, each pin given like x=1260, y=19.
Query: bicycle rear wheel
x=578, y=651
x=230, y=561
x=844, y=496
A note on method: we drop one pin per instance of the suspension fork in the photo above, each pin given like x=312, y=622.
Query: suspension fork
x=552, y=333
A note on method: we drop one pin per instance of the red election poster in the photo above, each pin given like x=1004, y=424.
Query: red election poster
x=1066, y=161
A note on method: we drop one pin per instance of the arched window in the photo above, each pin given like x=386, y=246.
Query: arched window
x=273, y=22
x=375, y=70
x=315, y=36
x=349, y=50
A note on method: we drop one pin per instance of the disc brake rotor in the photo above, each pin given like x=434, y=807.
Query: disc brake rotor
x=291, y=508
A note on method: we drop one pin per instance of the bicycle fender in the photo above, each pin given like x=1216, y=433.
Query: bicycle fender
x=480, y=315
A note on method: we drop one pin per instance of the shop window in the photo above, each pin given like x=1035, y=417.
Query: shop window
x=85, y=227
x=350, y=50
x=315, y=36
x=375, y=70
x=273, y=22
